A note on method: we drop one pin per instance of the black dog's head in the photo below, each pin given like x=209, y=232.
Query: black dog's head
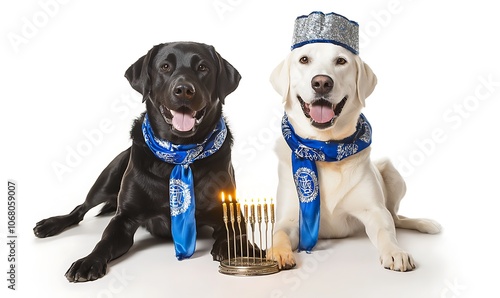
x=184, y=84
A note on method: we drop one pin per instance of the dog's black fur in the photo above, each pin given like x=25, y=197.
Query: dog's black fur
x=183, y=76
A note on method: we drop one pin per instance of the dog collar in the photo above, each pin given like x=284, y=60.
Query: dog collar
x=305, y=153
x=181, y=184
x=330, y=150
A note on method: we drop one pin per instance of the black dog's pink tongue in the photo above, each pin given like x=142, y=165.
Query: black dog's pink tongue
x=183, y=121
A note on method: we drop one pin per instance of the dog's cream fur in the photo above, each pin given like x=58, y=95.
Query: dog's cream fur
x=354, y=192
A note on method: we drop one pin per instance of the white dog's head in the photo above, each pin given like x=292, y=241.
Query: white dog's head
x=324, y=87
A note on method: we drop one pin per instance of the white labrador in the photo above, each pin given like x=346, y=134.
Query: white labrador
x=354, y=191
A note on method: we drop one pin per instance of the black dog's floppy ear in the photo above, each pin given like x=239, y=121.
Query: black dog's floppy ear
x=228, y=78
x=138, y=73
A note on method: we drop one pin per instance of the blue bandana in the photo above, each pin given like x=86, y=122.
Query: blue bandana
x=181, y=185
x=305, y=153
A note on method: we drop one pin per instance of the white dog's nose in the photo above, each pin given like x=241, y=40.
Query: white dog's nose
x=322, y=84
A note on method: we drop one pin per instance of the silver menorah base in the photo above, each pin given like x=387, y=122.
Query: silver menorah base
x=248, y=266
x=255, y=221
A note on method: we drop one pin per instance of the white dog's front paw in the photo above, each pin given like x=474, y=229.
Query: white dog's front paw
x=284, y=257
x=397, y=261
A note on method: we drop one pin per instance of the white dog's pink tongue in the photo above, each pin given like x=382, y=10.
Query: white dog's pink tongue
x=321, y=113
x=183, y=121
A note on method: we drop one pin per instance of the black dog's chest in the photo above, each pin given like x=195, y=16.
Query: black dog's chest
x=208, y=208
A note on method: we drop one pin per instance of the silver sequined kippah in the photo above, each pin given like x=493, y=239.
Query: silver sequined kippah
x=329, y=28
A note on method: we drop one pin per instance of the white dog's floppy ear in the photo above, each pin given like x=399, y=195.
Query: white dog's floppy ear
x=280, y=78
x=366, y=81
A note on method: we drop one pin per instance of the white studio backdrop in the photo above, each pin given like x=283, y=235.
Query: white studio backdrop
x=67, y=110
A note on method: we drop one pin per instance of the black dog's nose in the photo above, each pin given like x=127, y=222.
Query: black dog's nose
x=322, y=84
x=184, y=91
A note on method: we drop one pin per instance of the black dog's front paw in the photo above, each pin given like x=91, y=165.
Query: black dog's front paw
x=219, y=250
x=53, y=225
x=86, y=269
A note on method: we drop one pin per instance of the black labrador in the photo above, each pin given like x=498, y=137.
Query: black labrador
x=184, y=85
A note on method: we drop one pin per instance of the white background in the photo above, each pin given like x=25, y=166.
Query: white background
x=62, y=66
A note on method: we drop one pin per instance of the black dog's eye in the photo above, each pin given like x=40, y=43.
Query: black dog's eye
x=202, y=67
x=340, y=61
x=165, y=67
x=304, y=60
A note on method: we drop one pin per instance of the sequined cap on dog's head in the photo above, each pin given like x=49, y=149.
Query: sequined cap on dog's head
x=326, y=28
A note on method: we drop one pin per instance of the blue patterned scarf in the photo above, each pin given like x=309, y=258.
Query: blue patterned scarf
x=181, y=185
x=305, y=153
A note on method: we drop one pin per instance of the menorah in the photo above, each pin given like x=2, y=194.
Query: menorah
x=261, y=214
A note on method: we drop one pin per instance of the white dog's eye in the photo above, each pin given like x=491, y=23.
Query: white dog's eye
x=340, y=61
x=304, y=60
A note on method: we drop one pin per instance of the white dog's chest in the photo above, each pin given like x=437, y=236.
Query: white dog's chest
x=330, y=185
x=336, y=182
